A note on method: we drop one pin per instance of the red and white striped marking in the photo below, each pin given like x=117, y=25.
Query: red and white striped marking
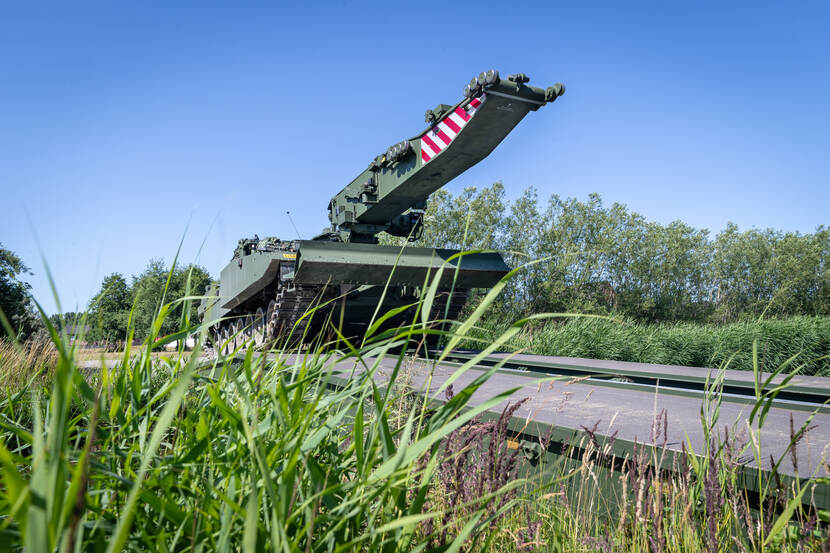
x=436, y=140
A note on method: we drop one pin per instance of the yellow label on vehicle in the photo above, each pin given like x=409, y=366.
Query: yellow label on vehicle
x=289, y=256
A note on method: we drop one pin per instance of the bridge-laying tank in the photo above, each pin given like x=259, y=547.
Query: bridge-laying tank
x=269, y=284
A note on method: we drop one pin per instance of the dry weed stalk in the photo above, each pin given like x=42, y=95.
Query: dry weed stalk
x=20, y=362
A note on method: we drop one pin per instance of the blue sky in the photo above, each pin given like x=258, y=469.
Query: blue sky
x=123, y=122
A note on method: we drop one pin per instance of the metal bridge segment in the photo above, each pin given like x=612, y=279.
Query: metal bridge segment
x=390, y=195
x=804, y=393
x=621, y=415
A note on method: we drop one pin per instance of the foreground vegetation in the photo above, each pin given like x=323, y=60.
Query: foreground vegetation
x=169, y=455
x=264, y=454
x=807, y=339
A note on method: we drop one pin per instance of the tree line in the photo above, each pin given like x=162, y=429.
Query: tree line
x=118, y=304
x=608, y=259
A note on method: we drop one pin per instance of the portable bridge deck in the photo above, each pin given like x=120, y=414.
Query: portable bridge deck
x=619, y=403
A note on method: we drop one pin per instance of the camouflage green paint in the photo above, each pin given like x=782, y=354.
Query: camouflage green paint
x=386, y=190
x=390, y=196
x=337, y=263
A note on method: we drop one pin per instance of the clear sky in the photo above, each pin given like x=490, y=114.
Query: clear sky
x=122, y=122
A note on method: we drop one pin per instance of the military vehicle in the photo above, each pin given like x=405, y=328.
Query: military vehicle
x=269, y=284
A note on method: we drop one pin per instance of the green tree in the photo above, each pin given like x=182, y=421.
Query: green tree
x=189, y=280
x=521, y=238
x=68, y=321
x=582, y=242
x=471, y=220
x=770, y=273
x=148, y=293
x=110, y=310
x=607, y=259
x=15, y=302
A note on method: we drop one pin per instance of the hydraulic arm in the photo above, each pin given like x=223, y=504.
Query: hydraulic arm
x=391, y=194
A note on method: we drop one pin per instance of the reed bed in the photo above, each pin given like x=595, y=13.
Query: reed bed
x=247, y=453
x=286, y=452
x=686, y=344
x=20, y=363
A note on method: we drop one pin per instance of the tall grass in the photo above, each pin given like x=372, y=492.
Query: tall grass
x=258, y=454
x=653, y=500
x=696, y=501
x=19, y=363
x=687, y=344
x=302, y=451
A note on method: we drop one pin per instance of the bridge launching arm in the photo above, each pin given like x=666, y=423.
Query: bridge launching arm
x=390, y=195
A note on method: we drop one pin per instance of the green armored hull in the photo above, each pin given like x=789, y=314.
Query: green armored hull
x=269, y=284
x=339, y=263
x=264, y=295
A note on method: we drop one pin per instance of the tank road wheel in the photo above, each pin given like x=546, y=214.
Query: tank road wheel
x=248, y=330
x=223, y=341
x=236, y=339
x=259, y=328
x=217, y=338
x=271, y=321
x=239, y=330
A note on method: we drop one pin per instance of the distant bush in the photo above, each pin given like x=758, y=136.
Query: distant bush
x=608, y=259
x=690, y=344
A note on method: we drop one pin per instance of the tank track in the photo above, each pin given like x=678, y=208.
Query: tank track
x=439, y=312
x=286, y=321
x=457, y=303
x=282, y=323
x=279, y=322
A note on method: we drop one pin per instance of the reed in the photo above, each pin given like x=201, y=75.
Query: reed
x=298, y=450
x=686, y=344
x=251, y=452
x=20, y=363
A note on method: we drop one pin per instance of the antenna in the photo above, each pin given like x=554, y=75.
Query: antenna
x=293, y=225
